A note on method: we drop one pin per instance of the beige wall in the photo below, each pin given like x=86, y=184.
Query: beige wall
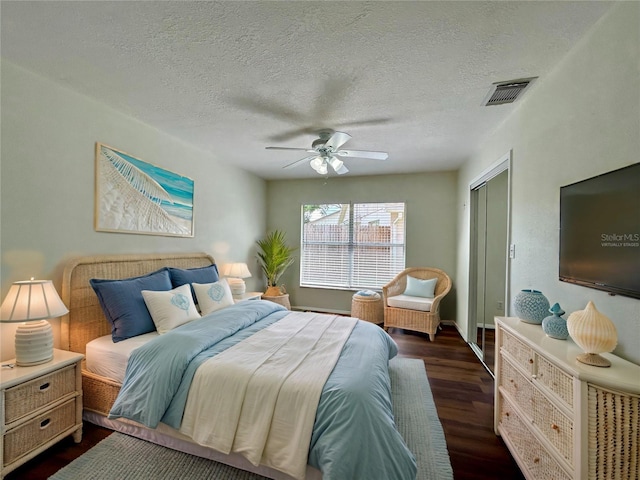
x=431, y=223
x=580, y=120
x=47, y=187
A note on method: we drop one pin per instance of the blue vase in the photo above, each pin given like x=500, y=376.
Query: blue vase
x=555, y=326
x=531, y=306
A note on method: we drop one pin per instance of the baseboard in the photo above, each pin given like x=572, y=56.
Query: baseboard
x=302, y=308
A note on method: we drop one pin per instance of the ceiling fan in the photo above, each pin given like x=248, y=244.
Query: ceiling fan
x=326, y=150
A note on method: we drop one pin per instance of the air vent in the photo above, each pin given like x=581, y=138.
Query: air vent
x=507, y=92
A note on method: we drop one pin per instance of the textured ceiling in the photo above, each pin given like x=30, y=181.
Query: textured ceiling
x=407, y=78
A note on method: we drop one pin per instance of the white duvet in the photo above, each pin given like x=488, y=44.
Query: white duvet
x=258, y=383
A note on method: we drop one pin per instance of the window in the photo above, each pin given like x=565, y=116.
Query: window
x=359, y=245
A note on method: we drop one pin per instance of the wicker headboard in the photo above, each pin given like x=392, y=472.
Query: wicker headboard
x=85, y=320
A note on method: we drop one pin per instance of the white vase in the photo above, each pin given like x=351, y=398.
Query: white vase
x=595, y=333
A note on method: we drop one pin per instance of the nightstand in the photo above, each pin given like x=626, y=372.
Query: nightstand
x=40, y=406
x=247, y=296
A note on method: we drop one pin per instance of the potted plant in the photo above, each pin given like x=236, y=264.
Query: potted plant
x=275, y=256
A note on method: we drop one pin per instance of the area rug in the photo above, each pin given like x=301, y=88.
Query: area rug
x=120, y=456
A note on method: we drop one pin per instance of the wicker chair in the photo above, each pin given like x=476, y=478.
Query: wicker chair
x=425, y=322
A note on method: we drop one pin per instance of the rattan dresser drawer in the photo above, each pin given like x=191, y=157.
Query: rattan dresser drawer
x=519, y=351
x=30, y=435
x=517, y=386
x=560, y=383
x=30, y=396
x=553, y=424
x=538, y=462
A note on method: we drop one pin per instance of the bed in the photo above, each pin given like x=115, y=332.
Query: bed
x=336, y=449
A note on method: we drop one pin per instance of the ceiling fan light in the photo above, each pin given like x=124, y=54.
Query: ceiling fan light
x=319, y=165
x=316, y=163
x=336, y=163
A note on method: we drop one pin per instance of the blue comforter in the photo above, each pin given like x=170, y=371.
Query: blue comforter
x=354, y=435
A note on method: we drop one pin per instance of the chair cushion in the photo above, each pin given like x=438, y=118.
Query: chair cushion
x=410, y=303
x=417, y=287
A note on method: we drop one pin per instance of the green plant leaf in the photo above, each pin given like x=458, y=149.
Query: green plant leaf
x=274, y=256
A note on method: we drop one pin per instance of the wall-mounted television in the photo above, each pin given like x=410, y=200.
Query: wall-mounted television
x=600, y=232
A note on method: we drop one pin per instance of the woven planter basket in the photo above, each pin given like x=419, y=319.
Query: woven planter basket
x=279, y=299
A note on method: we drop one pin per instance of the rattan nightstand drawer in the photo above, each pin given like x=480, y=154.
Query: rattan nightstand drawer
x=538, y=462
x=30, y=435
x=555, y=380
x=30, y=396
x=523, y=354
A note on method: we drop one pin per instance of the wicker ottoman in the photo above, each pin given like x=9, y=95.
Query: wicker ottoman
x=367, y=305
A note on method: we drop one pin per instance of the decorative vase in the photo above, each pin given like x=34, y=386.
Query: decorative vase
x=531, y=306
x=595, y=333
x=555, y=326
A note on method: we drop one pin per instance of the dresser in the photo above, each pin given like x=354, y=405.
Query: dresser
x=40, y=405
x=561, y=419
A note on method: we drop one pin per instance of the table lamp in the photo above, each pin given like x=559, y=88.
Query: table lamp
x=31, y=303
x=235, y=272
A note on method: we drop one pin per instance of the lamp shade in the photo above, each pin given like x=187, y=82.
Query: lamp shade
x=32, y=302
x=236, y=270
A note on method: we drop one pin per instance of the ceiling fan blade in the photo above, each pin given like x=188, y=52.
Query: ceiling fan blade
x=363, y=122
x=270, y=108
x=291, y=134
x=363, y=154
x=305, y=159
x=290, y=148
x=337, y=140
x=342, y=170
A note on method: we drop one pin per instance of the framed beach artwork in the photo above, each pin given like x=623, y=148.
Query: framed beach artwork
x=133, y=196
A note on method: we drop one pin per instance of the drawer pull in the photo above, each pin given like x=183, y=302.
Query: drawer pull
x=555, y=427
x=44, y=387
x=531, y=360
x=536, y=460
x=45, y=423
x=506, y=414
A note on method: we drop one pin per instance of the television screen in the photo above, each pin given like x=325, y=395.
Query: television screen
x=600, y=232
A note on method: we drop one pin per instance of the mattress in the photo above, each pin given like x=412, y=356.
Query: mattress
x=109, y=359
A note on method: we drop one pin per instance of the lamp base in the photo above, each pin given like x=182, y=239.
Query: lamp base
x=237, y=285
x=593, y=359
x=34, y=343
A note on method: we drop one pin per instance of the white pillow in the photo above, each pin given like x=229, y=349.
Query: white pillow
x=213, y=296
x=170, y=309
x=420, y=288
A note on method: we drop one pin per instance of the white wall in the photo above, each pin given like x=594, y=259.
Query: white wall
x=430, y=229
x=47, y=187
x=580, y=120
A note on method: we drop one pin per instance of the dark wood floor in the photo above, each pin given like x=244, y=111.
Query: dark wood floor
x=463, y=394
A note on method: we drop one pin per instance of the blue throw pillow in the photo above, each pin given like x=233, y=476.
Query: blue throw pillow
x=123, y=304
x=420, y=288
x=180, y=276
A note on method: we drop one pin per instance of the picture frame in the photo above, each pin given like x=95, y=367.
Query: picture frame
x=134, y=196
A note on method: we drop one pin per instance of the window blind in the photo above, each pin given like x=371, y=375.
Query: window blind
x=359, y=245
